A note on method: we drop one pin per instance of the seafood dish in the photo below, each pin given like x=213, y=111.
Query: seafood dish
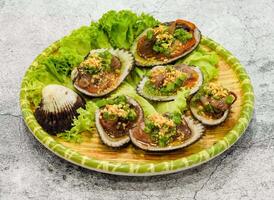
x=165, y=43
x=137, y=82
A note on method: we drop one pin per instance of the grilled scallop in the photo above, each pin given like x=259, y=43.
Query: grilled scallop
x=114, y=120
x=102, y=71
x=165, y=43
x=164, y=82
x=162, y=133
x=212, y=104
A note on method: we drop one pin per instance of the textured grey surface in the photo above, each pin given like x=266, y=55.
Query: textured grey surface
x=29, y=171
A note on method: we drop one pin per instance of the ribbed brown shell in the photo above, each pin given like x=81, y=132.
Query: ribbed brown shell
x=58, y=121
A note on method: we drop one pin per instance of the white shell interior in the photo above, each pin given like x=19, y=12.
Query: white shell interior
x=58, y=97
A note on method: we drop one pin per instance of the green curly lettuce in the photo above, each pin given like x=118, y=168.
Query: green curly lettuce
x=61, y=65
x=79, y=41
x=98, y=37
x=143, y=22
x=119, y=27
x=136, y=76
x=124, y=26
x=84, y=122
x=74, y=48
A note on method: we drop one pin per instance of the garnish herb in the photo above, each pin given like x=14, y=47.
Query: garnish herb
x=229, y=99
x=149, y=34
x=182, y=35
x=97, y=62
x=162, y=129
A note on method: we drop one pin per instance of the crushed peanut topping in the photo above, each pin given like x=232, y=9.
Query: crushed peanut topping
x=116, y=109
x=170, y=75
x=217, y=90
x=164, y=124
x=160, y=121
x=164, y=36
x=159, y=29
x=94, y=61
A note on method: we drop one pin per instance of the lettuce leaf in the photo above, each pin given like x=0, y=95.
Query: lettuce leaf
x=179, y=105
x=61, y=65
x=98, y=37
x=73, y=49
x=206, y=61
x=84, y=122
x=119, y=27
x=143, y=22
x=79, y=41
x=124, y=26
x=136, y=76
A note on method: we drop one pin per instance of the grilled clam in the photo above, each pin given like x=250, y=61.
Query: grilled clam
x=57, y=108
x=165, y=132
x=102, y=71
x=163, y=82
x=165, y=43
x=115, y=118
x=211, y=105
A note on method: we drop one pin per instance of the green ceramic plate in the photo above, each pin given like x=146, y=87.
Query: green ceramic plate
x=92, y=154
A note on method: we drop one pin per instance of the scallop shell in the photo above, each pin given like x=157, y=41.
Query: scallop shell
x=208, y=121
x=57, y=108
x=116, y=142
x=196, y=128
x=140, y=88
x=127, y=61
x=148, y=63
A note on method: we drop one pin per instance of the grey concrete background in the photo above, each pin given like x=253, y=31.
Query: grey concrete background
x=29, y=171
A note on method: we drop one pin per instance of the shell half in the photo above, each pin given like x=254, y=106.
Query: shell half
x=208, y=121
x=126, y=60
x=119, y=141
x=140, y=61
x=196, y=128
x=57, y=108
